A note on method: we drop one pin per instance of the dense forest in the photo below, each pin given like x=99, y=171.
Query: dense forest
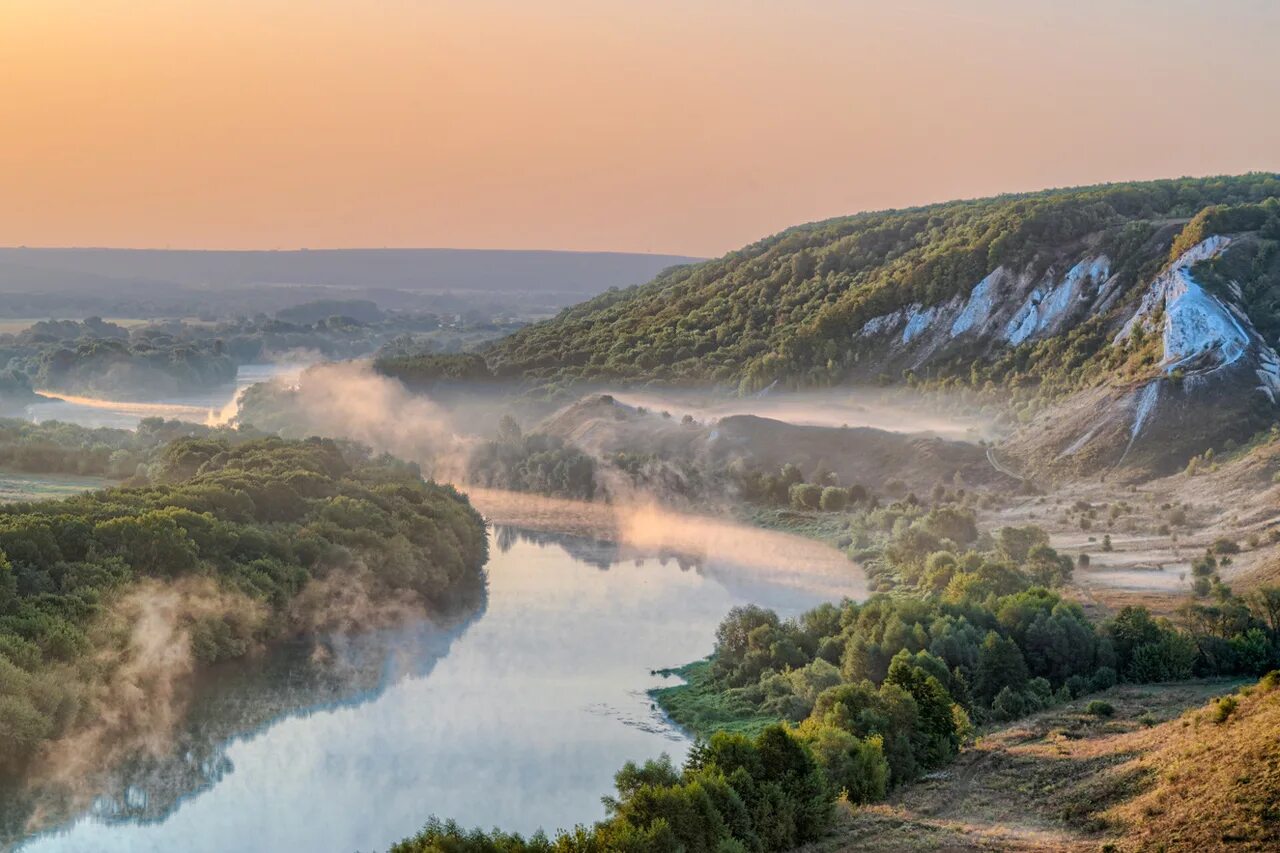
x=789, y=307
x=261, y=518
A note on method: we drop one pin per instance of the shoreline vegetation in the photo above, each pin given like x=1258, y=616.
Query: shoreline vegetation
x=219, y=544
x=968, y=632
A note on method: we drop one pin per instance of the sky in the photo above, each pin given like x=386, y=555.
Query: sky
x=683, y=126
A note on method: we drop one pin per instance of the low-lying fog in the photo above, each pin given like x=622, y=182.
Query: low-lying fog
x=895, y=411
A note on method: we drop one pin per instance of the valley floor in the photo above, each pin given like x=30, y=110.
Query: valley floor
x=1157, y=528
x=1160, y=773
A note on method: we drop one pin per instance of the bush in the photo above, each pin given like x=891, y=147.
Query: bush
x=834, y=499
x=1099, y=708
x=1103, y=679
x=1223, y=545
x=805, y=495
x=1224, y=708
x=1009, y=704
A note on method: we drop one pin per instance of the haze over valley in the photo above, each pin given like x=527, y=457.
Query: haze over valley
x=840, y=427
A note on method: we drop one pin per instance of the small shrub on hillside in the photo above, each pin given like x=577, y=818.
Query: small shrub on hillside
x=1223, y=545
x=1225, y=707
x=1100, y=708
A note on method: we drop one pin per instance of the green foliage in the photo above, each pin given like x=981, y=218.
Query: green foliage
x=97, y=357
x=538, y=463
x=834, y=499
x=788, y=308
x=425, y=370
x=805, y=496
x=262, y=516
x=734, y=793
x=1100, y=708
x=1224, y=708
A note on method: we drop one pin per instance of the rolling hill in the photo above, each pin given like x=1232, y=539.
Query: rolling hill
x=1129, y=325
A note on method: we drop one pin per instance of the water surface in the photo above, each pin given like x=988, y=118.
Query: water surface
x=517, y=715
x=213, y=405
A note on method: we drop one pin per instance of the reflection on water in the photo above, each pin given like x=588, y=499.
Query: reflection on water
x=210, y=406
x=518, y=717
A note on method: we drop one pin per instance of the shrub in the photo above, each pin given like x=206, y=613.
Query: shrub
x=805, y=495
x=1009, y=704
x=1224, y=708
x=1100, y=708
x=1103, y=679
x=834, y=499
x=1223, y=545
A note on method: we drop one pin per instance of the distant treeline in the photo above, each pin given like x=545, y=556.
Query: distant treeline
x=173, y=357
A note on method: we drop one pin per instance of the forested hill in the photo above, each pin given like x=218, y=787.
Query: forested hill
x=855, y=297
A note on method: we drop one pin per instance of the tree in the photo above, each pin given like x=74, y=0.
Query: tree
x=1000, y=665
x=1016, y=542
x=854, y=766
x=509, y=430
x=1265, y=601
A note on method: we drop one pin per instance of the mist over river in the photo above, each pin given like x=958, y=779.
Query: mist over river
x=517, y=715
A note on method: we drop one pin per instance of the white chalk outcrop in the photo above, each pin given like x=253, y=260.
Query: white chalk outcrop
x=1003, y=306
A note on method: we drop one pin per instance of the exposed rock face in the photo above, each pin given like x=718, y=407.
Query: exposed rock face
x=1004, y=308
x=1217, y=377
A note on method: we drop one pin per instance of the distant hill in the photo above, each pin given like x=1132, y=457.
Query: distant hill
x=76, y=283
x=1131, y=324
x=407, y=269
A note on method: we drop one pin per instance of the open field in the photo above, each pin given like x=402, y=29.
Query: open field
x=28, y=487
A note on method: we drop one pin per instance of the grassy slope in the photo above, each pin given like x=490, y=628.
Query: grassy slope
x=1148, y=778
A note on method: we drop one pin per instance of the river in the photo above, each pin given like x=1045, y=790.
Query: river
x=210, y=406
x=516, y=715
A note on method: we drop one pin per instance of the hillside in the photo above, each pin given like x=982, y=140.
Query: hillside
x=1157, y=299
x=605, y=427
x=1147, y=777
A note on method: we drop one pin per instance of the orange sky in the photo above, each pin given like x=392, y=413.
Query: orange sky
x=689, y=126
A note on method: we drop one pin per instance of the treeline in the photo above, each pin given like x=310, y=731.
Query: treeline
x=99, y=357
x=110, y=365
x=54, y=447
x=424, y=370
x=788, y=307
x=262, y=517
x=788, y=488
x=990, y=646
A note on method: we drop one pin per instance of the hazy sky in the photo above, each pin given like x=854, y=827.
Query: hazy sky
x=690, y=126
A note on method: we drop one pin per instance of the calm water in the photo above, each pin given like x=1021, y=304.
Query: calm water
x=517, y=715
